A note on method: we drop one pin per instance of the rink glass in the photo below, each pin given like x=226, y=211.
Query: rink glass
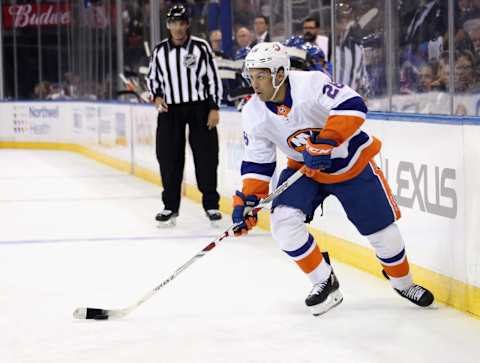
x=75, y=49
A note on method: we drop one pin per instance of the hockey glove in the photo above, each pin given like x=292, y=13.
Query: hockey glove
x=242, y=214
x=318, y=152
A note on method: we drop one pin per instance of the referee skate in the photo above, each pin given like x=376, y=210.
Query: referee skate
x=166, y=218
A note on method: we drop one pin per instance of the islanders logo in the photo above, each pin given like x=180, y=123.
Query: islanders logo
x=298, y=139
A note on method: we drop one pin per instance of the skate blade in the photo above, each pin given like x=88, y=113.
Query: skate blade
x=167, y=224
x=216, y=224
x=334, y=299
x=432, y=306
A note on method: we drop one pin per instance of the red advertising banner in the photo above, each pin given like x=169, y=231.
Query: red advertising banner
x=27, y=15
x=33, y=15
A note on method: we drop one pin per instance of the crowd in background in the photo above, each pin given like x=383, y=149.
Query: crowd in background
x=420, y=46
x=424, y=48
x=69, y=47
x=420, y=42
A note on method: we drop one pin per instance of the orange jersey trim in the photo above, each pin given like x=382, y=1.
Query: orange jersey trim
x=399, y=270
x=255, y=187
x=312, y=261
x=341, y=127
x=391, y=199
x=365, y=157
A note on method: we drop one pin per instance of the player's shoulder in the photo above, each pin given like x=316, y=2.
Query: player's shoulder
x=307, y=85
x=253, y=105
x=301, y=79
x=253, y=112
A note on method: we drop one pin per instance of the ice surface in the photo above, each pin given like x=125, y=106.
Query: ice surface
x=76, y=233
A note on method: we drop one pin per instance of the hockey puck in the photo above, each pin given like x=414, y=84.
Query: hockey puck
x=100, y=317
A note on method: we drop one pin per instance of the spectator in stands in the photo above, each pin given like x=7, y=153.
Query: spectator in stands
x=215, y=39
x=472, y=27
x=465, y=75
x=260, y=26
x=466, y=10
x=241, y=53
x=295, y=41
x=408, y=77
x=315, y=59
x=425, y=78
x=425, y=20
x=243, y=37
x=424, y=25
x=42, y=90
x=72, y=84
x=311, y=34
x=443, y=73
x=57, y=92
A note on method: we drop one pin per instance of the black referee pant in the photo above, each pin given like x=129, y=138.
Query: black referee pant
x=170, y=147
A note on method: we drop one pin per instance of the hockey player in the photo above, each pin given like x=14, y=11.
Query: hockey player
x=317, y=124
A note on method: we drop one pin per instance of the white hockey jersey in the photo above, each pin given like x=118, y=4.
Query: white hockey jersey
x=313, y=103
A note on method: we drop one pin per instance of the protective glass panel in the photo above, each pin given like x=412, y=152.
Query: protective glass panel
x=21, y=37
x=466, y=59
x=420, y=77
x=360, y=51
x=135, y=17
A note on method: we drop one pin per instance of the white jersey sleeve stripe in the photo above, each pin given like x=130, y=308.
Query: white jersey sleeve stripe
x=348, y=113
x=256, y=176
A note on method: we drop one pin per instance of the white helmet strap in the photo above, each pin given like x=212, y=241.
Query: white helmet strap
x=276, y=88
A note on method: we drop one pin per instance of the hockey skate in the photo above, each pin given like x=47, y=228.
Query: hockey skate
x=166, y=218
x=214, y=216
x=324, y=296
x=416, y=294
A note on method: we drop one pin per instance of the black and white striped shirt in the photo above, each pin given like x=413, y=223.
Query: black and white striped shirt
x=350, y=66
x=186, y=73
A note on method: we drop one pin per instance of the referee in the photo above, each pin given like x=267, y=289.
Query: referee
x=184, y=82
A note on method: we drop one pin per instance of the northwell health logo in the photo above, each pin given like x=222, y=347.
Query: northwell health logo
x=44, y=112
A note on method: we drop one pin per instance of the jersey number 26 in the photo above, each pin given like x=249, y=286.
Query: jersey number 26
x=331, y=89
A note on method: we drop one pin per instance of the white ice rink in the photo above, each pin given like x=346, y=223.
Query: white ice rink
x=76, y=233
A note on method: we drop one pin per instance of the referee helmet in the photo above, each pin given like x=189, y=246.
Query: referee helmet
x=178, y=12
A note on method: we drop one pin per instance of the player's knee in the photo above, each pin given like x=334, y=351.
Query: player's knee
x=288, y=227
x=387, y=242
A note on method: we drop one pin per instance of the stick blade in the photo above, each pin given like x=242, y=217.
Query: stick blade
x=91, y=313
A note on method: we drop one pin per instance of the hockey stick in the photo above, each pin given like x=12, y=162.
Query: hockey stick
x=104, y=314
x=134, y=88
